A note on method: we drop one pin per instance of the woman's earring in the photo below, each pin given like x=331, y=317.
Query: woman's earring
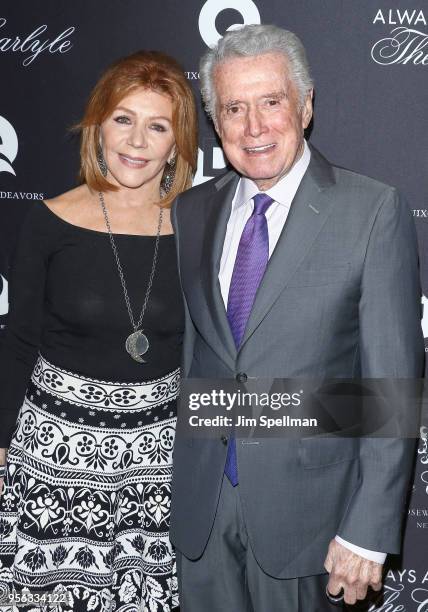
x=101, y=161
x=168, y=176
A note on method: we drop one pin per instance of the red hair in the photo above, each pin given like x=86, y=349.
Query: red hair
x=152, y=70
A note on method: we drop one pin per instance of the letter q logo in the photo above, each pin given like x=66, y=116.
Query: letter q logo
x=8, y=146
x=211, y=10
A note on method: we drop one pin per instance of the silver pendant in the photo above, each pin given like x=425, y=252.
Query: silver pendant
x=136, y=345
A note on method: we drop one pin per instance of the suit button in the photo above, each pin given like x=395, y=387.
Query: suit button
x=224, y=439
x=241, y=377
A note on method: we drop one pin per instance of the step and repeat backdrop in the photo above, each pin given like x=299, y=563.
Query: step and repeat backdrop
x=370, y=64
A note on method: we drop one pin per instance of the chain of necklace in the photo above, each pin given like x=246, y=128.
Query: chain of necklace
x=133, y=341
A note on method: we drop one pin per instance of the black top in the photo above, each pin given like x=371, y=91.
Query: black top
x=67, y=303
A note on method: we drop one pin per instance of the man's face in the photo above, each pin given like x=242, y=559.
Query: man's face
x=259, y=118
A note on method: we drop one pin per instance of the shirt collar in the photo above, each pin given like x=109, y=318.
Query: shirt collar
x=284, y=191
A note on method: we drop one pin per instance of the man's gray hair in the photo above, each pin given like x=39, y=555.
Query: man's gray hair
x=250, y=41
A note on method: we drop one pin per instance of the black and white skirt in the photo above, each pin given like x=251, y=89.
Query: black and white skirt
x=85, y=509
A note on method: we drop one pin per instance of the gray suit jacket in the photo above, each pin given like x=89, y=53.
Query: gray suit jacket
x=340, y=298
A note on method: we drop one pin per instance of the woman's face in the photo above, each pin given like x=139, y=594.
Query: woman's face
x=137, y=139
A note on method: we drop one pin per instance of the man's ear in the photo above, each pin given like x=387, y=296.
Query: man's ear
x=216, y=126
x=307, y=110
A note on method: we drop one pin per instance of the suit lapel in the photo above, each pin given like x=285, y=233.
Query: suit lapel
x=308, y=213
x=218, y=212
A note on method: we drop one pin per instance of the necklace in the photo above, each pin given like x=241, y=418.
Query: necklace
x=136, y=343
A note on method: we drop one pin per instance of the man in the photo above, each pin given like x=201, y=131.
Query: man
x=290, y=267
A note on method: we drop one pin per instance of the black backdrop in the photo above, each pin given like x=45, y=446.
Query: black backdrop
x=370, y=64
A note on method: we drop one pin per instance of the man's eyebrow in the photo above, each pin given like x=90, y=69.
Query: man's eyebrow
x=230, y=103
x=275, y=94
x=278, y=95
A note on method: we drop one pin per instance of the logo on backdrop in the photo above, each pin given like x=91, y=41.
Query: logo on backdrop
x=4, y=296
x=211, y=11
x=420, y=213
x=8, y=146
x=425, y=316
x=211, y=161
x=423, y=456
x=216, y=18
x=407, y=41
x=408, y=583
x=35, y=43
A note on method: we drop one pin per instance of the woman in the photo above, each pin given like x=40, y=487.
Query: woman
x=94, y=337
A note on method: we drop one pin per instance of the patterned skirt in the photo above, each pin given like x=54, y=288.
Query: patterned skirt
x=84, y=513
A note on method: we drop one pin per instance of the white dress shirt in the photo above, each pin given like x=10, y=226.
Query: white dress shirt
x=242, y=208
x=282, y=195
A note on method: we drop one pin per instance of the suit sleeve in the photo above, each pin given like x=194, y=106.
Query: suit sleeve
x=390, y=346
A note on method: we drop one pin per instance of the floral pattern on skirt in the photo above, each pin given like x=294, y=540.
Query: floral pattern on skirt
x=84, y=514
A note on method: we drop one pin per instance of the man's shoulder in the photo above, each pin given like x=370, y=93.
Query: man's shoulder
x=358, y=183
x=200, y=193
x=343, y=176
x=354, y=191
x=355, y=179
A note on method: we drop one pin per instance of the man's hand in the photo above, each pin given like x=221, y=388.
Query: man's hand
x=352, y=573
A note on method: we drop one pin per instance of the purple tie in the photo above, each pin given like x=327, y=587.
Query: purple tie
x=250, y=265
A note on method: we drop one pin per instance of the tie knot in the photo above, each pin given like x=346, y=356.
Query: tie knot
x=261, y=203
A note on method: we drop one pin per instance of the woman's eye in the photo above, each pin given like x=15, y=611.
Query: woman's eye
x=158, y=127
x=122, y=119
